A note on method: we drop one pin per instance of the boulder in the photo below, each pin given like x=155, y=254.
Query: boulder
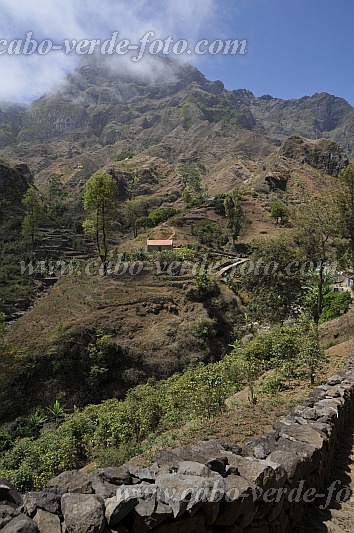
x=301, y=433
x=240, y=502
x=48, y=500
x=72, y=481
x=191, y=468
x=20, y=524
x=265, y=474
x=47, y=522
x=201, y=452
x=7, y=513
x=182, y=492
x=8, y=494
x=113, y=475
x=83, y=513
x=168, y=461
x=119, y=507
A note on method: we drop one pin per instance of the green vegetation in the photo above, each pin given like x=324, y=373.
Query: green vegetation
x=120, y=429
x=344, y=200
x=234, y=214
x=279, y=212
x=34, y=215
x=56, y=198
x=335, y=304
x=158, y=216
x=193, y=192
x=123, y=156
x=209, y=233
x=99, y=203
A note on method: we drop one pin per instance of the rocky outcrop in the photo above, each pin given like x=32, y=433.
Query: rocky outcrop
x=213, y=486
x=14, y=182
x=324, y=154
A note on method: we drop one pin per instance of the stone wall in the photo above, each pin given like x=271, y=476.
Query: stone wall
x=212, y=486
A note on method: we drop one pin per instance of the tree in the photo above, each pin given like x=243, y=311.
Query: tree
x=279, y=212
x=345, y=205
x=311, y=354
x=274, y=278
x=55, y=196
x=316, y=228
x=34, y=215
x=234, y=214
x=100, y=203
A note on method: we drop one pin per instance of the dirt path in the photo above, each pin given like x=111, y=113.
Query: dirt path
x=339, y=516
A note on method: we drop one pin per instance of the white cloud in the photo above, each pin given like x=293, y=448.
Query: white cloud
x=26, y=77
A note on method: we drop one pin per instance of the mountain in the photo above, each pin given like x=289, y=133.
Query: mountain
x=166, y=109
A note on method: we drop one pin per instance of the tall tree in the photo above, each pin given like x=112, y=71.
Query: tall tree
x=274, y=278
x=316, y=226
x=99, y=203
x=234, y=214
x=345, y=205
x=55, y=196
x=34, y=215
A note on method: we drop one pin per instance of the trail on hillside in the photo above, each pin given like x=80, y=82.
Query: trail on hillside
x=338, y=517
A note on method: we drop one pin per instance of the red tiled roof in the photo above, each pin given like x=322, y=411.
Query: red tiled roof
x=159, y=243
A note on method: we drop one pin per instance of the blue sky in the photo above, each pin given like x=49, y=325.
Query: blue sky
x=295, y=47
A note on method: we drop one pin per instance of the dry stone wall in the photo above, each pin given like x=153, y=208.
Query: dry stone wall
x=212, y=486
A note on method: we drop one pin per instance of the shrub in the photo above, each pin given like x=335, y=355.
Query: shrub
x=208, y=232
x=161, y=215
x=335, y=304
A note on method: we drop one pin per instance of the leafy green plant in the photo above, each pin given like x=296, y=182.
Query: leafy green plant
x=335, y=304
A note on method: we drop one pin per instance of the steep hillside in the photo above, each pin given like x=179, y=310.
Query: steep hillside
x=15, y=291
x=171, y=111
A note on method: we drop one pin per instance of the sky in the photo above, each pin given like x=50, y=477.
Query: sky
x=294, y=47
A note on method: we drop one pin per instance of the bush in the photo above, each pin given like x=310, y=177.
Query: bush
x=335, y=304
x=208, y=232
x=113, y=431
x=161, y=215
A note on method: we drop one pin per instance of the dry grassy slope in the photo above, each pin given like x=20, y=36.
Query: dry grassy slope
x=148, y=312
x=152, y=311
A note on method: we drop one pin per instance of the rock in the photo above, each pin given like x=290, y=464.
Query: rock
x=83, y=513
x=233, y=448
x=7, y=513
x=4, y=491
x=47, y=522
x=114, y=475
x=169, y=459
x=294, y=465
x=201, y=452
x=240, y=502
x=265, y=474
x=72, y=481
x=182, y=492
x=218, y=465
x=20, y=524
x=146, y=508
x=301, y=433
x=119, y=507
x=261, y=448
x=142, y=474
x=104, y=490
x=47, y=500
x=275, y=182
x=193, y=469
x=10, y=495
x=149, y=517
x=152, y=513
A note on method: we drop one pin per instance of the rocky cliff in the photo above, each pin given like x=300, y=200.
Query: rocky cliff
x=102, y=105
